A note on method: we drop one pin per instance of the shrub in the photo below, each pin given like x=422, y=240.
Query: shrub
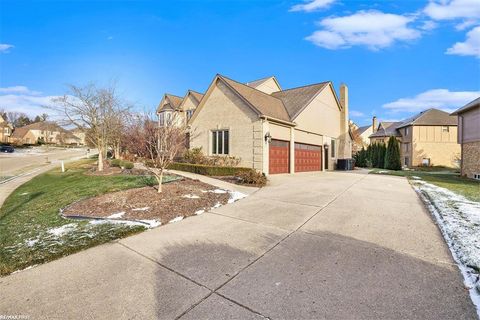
x=252, y=177
x=206, y=169
x=115, y=163
x=121, y=164
x=392, y=156
x=194, y=156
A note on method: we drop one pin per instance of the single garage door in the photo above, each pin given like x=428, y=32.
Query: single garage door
x=307, y=157
x=279, y=157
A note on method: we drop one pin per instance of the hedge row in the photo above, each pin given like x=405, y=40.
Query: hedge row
x=208, y=170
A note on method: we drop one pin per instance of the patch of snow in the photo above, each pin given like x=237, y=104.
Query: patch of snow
x=30, y=267
x=31, y=242
x=116, y=215
x=217, y=205
x=383, y=171
x=24, y=194
x=141, y=209
x=218, y=191
x=235, y=195
x=151, y=223
x=60, y=231
x=199, y=212
x=191, y=196
x=416, y=178
x=459, y=221
x=143, y=223
x=177, y=219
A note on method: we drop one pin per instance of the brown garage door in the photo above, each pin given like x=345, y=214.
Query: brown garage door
x=279, y=157
x=307, y=157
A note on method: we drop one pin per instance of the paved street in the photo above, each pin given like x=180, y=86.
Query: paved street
x=309, y=246
x=19, y=167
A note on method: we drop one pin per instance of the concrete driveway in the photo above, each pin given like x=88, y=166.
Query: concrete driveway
x=310, y=246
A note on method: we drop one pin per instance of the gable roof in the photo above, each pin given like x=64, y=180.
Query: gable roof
x=361, y=130
x=197, y=95
x=19, y=132
x=256, y=83
x=173, y=102
x=43, y=125
x=296, y=99
x=386, y=129
x=430, y=117
x=472, y=104
x=264, y=104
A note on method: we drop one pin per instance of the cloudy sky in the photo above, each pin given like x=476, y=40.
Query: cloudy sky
x=397, y=57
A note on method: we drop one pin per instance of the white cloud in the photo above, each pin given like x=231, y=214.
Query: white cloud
x=471, y=46
x=32, y=105
x=5, y=47
x=453, y=9
x=373, y=29
x=354, y=113
x=312, y=5
x=428, y=25
x=19, y=90
x=436, y=98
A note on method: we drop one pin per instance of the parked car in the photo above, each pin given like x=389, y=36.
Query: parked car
x=6, y=149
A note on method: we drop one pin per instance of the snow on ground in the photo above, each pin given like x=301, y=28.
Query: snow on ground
x=141, y=209
x=198, y=212
x=191, y=196
x=60, y=231
x=31, y=242
x=116, y=215
x=459, y=221
x=143, y=223
x=218, y=191
x=176, y=219
x=416, y=178
x=235, y=195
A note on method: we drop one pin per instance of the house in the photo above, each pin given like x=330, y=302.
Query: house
x=6, y=130
x=43, y=131
x=469, y=138
x=177, y=109
x=270, y=129
x=426, y=139
x=361, y=136
x=80, y=134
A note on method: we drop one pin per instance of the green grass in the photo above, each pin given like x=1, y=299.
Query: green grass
x=442, y=177
x=33, y=209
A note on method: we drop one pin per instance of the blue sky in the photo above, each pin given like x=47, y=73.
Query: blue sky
x=397, y=57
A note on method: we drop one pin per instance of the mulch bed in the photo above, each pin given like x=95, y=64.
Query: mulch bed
x=178, y=198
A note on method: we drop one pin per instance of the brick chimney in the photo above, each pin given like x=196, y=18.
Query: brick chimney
x=344, y=103
x=374, y=124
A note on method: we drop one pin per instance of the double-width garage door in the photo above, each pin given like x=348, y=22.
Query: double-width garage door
x=307, y=157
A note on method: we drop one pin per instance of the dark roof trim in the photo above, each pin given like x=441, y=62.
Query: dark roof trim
x=469, y=106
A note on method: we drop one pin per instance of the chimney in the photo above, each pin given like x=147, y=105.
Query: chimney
x=374, y=124
x=344, y=103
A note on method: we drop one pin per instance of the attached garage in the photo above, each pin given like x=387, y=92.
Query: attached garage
x=308, y=157
x=279, y=156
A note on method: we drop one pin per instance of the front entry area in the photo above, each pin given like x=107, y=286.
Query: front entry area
x=279, y=155
x=308, y=157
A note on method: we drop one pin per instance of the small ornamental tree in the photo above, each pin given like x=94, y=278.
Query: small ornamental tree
x=381, y=155
x=392, y=156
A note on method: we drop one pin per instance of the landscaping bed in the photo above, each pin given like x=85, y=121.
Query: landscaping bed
x=178, y=199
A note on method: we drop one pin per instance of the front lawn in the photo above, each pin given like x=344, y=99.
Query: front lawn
x=31, y=228
x=441, y=177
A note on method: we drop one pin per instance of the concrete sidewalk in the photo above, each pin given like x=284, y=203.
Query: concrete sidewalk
x=310, y=246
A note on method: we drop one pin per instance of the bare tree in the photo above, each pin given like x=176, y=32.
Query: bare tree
x=156, y=146
x=95, y=110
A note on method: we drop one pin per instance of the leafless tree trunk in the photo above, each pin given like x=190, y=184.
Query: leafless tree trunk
x=156, y=145
x=95, y=110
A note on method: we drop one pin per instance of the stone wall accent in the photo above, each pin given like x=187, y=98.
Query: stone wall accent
x=470, y=159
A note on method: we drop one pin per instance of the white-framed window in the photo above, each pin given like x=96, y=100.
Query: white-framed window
x=189, y=114
x=426, y=162
x=406, y=131
x=407, y=161
x=164, y=118
x=220, y=142
x=445, y=128
x=332, y=148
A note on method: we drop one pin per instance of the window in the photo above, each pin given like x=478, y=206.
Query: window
x=161, y=119
x=406, y=131
x=445, y=129
x=189, y=114
x=407, y=161
x=165, y=118
x=426, y=162
x=220, y=142
x=407, y=146
x=332, y=148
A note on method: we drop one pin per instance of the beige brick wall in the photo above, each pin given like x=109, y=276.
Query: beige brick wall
x=223, y=109
x=470, y=159
x=433, y=143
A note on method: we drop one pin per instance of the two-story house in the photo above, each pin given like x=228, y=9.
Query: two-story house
x=175, y=110
x=273, y=130
x=427, y=139
x=469, y=138
x=6, y=130
x=44, y=132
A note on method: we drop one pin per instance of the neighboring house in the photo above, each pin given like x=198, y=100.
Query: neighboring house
x=426, y=139
x=44, y=131
x=361, y=136
x=6, y=130
x=273, y=130
x=469, y=138
x=80, y=134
